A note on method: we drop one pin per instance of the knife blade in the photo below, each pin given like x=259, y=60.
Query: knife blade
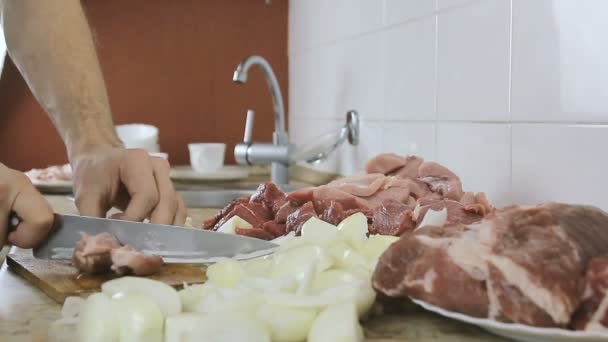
x=174, y=244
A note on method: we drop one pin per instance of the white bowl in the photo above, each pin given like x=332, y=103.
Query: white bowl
x=139, y=136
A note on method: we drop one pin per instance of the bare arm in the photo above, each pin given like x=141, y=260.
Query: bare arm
x=51, y=44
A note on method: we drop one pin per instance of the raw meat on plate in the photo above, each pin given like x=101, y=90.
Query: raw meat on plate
x=395, y=194
x=519, y=264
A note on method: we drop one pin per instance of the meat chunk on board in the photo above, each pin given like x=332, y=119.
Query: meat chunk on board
x=92, y=253
x=530, y=261
x=128, y=260
x=102, y=253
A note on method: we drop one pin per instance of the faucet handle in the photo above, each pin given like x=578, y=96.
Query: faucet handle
x=247, y=138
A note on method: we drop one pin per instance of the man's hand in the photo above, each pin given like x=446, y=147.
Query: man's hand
x=18, y=195
x=128, y=179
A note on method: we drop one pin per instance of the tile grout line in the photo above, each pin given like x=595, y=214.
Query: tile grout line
x=384, y=26
x=510, y=127
x=436, y=85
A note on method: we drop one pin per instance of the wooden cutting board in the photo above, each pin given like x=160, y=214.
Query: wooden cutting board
x=59, y=279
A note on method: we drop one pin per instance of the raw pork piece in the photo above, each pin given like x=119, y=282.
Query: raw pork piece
x=392, y=164
x=392, y=218
x=530, y=261
x=254, y=213
x=411, y=169
x=270, y=195
x=387, y=194
x=385, y=163
x=212, y=222
x=275, y=229
x=101, y=253
x=258, y=233
x=296, y=220
x=285, y=210
x=441, y=180
x=51, y=173
x=457, y=212
x=92, y=253
x=128, y=260
x=476, y=202
x=361, y=185
x=420, y=265
x=592, y=315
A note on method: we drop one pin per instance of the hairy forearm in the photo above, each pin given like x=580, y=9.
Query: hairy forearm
x=51, y=44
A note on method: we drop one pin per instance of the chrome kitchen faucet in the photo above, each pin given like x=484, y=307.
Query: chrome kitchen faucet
x=280, y=154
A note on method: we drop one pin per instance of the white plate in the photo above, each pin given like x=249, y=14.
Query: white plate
x=57, y=186
x=225, y=173
x=519, y=332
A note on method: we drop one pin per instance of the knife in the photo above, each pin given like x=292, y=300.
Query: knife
x=174, y=244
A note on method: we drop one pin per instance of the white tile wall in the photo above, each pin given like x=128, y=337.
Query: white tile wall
x=510, y=94
x=407, y=138
x=473, y=62
x=480, y=154
x=560, y=49
x=410, y=70
x=560, y=163
x=397, y=11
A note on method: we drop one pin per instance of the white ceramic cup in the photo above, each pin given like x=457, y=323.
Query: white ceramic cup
x=139, y=136
x=207, y=157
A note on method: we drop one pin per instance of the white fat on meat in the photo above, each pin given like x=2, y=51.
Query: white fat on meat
x=436, y=218
x=470, y=252
x=595, y=323
x=426, y=282
x=519, y=277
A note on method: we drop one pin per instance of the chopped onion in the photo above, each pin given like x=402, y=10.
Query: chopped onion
x=139, y=318
x=353, y=229
x=179, y=327
x=337, y=323
x=287, y=324
x=225, y=273
x=296, y=262
x=261, y=284
x=345, y=256
x=97, y=320
x=298, y=301
x=229, y=327
x=191, y=295
x=258, y=267
x=230, y=226
x=318, y=231
x=282, y=239
x=229, y=300
x=360, y=292
x=434, y=218
x=164, y=295
x=63, y=329
x=375, y=245
x=71, y=307
x=332, y=278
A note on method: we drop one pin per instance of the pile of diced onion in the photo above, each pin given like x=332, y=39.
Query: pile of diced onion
x=315, y=287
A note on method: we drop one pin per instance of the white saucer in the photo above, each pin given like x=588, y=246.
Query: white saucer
x=519, y=332
x=226, y=173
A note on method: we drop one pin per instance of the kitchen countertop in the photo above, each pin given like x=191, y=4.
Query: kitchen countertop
x=26, y=312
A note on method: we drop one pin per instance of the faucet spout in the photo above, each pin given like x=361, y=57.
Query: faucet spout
x=240, y=76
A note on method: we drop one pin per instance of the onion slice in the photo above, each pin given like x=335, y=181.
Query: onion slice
x=164, y=295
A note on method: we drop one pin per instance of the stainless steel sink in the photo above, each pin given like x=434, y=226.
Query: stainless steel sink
x=218, y=198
